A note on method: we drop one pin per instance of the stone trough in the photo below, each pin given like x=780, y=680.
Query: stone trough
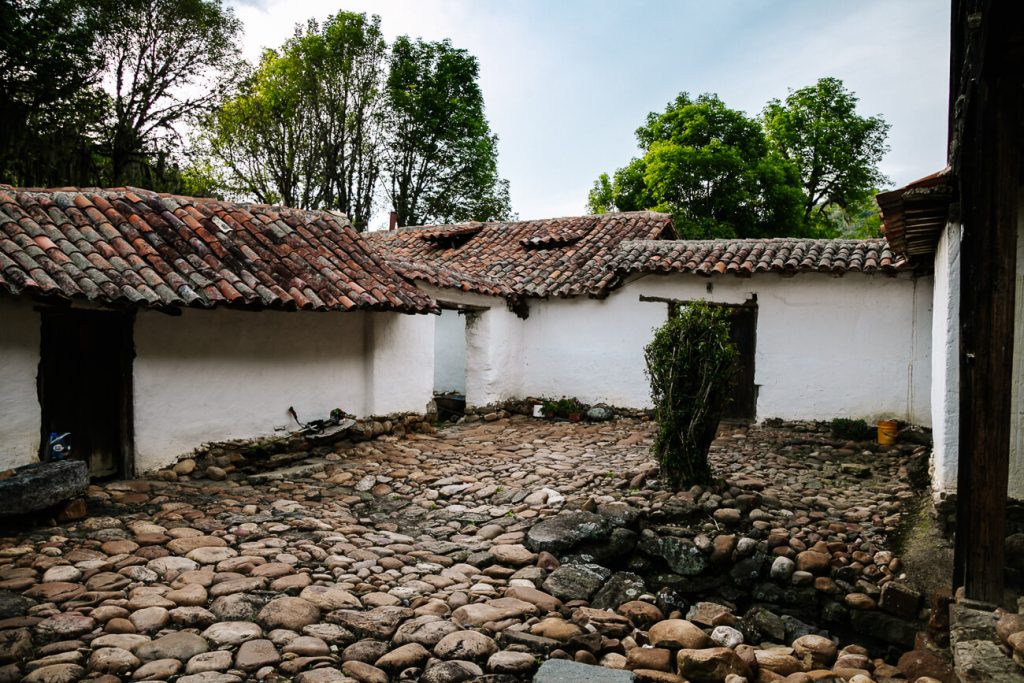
x=42, y=485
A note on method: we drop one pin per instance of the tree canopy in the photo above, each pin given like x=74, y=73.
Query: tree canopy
x=154, y=93
x=304, y=127
x=712, y=168
x=167, y=60
x=50, y=103
x=441, y=160
x=804, y=168
x=92, y=92
x=836, y=149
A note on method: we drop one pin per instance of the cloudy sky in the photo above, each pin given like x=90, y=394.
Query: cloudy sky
x=566, y=82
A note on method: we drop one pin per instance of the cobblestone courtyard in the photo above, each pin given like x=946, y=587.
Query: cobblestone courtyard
x=479, y=550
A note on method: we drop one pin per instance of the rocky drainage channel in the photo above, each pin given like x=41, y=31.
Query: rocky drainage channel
x=404, y=559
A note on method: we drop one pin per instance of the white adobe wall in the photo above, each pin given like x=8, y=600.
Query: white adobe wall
x=591, y=349
x=945, y=390
x=1015, y=487
x=450, y=352
x=399, y=363
x=217, y=375
x=494, y=338
x=827, y=347
x=20, y=417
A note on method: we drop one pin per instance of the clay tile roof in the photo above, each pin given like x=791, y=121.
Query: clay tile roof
x=132, y=246
x=786, y=256
x=555, y=257
x=915, y=215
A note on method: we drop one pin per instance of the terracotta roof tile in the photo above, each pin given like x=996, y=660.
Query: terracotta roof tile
x=555, y=257
x=131, y=246
x=787, y=256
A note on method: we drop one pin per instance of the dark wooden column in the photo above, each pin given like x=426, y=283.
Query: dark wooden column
x=986, y=156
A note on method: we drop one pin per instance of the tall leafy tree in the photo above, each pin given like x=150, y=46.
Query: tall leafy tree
x=167, y=62
x=836, y=149
x=305, y=127
x=440, y=162
x=50, y=103
x=712, y=168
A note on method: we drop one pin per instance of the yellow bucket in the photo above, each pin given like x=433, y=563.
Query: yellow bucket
x=887, y=431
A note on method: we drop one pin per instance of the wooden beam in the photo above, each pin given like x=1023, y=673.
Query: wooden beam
x=987, y=165
x=751, y=301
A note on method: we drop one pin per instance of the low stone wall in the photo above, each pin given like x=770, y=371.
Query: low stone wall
x=218, y=460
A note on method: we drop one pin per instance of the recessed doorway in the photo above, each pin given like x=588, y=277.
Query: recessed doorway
x=85, y=387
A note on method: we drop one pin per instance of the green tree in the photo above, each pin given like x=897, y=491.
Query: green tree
x=50, y=101
x=836, y=149
x=305, y=127
x=690, y=364
x=440, y=162
x=167, y=61
x=712, y=168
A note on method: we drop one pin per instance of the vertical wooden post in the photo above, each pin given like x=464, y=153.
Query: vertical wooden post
x=989, y=173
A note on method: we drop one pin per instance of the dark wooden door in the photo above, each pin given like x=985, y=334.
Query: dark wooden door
x=743, y=331
x=85, y=373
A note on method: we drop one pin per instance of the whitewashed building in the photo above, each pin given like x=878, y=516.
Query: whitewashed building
x=564, y=307
x=146, y=325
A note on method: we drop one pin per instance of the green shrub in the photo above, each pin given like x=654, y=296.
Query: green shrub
x=851, y=430
x=563, y=407
x=690, y=363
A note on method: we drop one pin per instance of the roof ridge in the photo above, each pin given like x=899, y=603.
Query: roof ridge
x=465, y=224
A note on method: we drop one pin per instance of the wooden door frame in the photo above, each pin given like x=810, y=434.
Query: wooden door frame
x=749, y=304
x=124, y=376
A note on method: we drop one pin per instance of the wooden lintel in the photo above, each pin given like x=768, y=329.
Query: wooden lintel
x=751, y=301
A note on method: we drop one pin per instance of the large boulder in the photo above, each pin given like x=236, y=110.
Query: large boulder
x=576, y=581
x=42, y=485
x=559, y=533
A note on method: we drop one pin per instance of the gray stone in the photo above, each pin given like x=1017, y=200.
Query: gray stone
x=564, y=671
x=42, y=485
x=13, y=604
x=181, y=646
x=620, y=588
x=682, y=556
x=454, y=671
x=509, y=662
x=56, y=673
x=884, y=627
x=727, y=636
x=759, y=625
x=561, y=532
x=782, y=569
x=575, y=581
x=600, y=414
x=308, y=468
x=981, y=661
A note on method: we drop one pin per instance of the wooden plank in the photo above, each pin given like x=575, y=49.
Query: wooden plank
x=988, y=170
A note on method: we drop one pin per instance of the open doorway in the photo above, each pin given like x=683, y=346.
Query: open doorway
x=85, y=387
x=743, y=332
x=450, y=363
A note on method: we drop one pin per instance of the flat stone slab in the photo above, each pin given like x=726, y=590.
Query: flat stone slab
x=565, y=671
x=41, y=485
x=981, y=661
x=306, y=469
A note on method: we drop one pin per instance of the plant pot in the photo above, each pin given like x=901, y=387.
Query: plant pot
x=575, y=417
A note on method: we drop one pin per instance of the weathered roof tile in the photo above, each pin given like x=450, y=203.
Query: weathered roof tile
x=744, y=257
x=555, y=257
x=133, y=246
